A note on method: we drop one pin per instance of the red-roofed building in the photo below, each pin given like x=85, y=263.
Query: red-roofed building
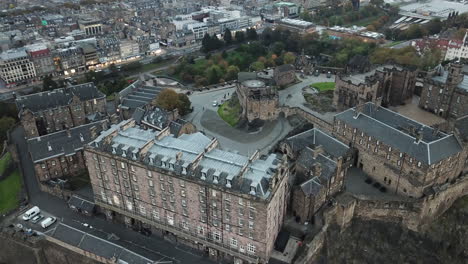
x=42, y=59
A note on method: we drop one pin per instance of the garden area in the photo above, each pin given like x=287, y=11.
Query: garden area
x=320, y=99
x=230, y=111
x=10, y=184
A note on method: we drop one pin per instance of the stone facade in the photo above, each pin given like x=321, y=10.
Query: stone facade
x=386, y=85
x=284, y=75
x=428, y=160
x=48, y=112
x=446, y=92
x=211, y=216
x=258, y=101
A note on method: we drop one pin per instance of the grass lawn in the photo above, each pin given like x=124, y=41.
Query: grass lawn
x=9, y=189
x=394, y=43
x=230, y=112
x=324, y=86
x=110, y=97
x=363, y=22
x=4, y=162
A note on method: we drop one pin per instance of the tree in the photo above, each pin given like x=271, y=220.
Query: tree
x=167, y=99
x=206, y=43
x=252, y=34
x=257, y=66
x=434, y=26
x=231, y=73
x=240, y=36
x=48, y=84
x=278, y=47
x=5, y=124
x=289, y=58
x=184, y=105
x=227, y=36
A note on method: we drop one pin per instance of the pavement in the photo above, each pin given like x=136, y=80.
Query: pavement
x=146, y=246
x=412, y=110
x=293, y=97
x=206, y=119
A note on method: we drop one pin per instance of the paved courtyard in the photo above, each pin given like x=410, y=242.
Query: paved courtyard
x=412, y=111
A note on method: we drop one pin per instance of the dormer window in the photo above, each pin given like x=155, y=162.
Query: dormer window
x=228, y=184
x=124, y=153
x=49, y=147
x=81, y=137
x=216, y=179
x=253, y=190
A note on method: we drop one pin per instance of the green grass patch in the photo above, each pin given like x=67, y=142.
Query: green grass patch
x=230, y=112
x=4, y=162
x=9, y=190
x=324, y=86
x=111, y=97
x=394, y=43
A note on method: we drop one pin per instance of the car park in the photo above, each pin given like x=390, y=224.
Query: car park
x=31, y=213
x=48, y=222
x=36, y=219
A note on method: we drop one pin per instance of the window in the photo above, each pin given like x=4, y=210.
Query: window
x=252, y=213
x=228, y=227
x=182, y=193
x=134, y=177
x=150, y=183
x=419, y=164
x=216, y=236
x=122, y=165
x=182, y=183
x=251, y=248
x=214, y=193
x=233, y=242
x=53, y=163
x=201, y=230
x=148, y=173
x=184, y=203
x=241, y=211
x=142, y=210
x=184, y=211
x=251, y=224
x=43, y=165
x=227, y=207
x=170, y=219
x=162, y=187
x=241, y=222
x=241, y=202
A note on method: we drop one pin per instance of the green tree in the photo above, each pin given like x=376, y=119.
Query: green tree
x=278, y=47
x=252, y=34
x=240, y=36
x=167, y=99
x=289, y=58
x=5, y=124
x=434, y=26
x=231, y=73
x=48, y=84
x=184, y=105
x=257, y=66
x=227, y=36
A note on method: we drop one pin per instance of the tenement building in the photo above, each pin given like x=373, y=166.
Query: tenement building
x=258, y=101
x=405, y=156
x=446, y=92
x=47, y=112
x=385, y=85
x=229, y=205
x=60, y=154
x=320, y=166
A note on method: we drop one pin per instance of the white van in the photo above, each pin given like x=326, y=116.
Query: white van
x=48, y=222
x=31, y=213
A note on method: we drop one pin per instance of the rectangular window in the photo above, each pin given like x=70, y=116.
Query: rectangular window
x=241, y=222
x=184, y=203
x=233, y=242
x=122, y=165
x=251, y=248
x=201, y=230
x=182, y=193
x=134, y=177
x=251, y=224
x=241, y=211
x=148, y=173
x=182, y=183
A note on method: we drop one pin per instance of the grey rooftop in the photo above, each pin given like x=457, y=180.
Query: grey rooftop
x=58, y=97
x=402, y=133
x=191, y=156
x=316, y=137
x=65, y=142
x=443, y=79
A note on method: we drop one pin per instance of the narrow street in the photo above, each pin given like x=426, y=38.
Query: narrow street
x=152, y=246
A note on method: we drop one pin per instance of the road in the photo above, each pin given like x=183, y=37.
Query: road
x=146, y=246
x=206, y=119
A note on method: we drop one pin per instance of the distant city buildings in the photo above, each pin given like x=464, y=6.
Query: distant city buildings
x=16, y=67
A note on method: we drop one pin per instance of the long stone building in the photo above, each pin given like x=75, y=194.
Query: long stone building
x=229, y=205
x=405, y=156
x=48, y=112
x=386, y=85
x=446, y=92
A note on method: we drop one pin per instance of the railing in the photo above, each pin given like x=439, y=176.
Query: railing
x=180, y=231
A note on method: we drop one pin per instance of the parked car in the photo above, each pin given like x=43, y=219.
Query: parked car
x=31, y=213
x=215, y=103
x=36, y=219
x=328, y=74
x=48, y=222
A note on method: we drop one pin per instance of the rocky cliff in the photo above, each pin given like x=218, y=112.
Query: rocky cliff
x=443, y=241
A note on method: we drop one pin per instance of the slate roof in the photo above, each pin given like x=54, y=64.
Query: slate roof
x=394, y=130
x=328, y=167
x=176, y=125
x=245, y=76
x=316, y=137
x=169, y=153
x=65, y=142
x=443, y=79
x=138, y=94
x=96, y=245
x=58, y=97
x=285, y=68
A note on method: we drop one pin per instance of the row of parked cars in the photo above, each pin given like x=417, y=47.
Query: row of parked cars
x=34, y=215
